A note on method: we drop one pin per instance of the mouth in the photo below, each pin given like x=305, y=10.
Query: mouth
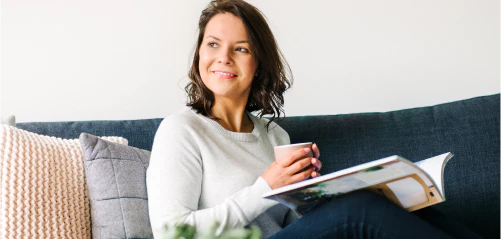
x=224, y=74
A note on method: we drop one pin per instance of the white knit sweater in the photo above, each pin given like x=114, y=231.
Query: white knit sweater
x=200, y=173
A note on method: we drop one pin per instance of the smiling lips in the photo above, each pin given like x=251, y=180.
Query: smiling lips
x=224, y=74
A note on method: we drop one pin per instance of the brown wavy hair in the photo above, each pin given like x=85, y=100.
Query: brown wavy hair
x=273, y=76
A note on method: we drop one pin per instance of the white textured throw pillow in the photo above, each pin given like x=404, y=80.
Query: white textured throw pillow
x=8, y=120
x=43, y=192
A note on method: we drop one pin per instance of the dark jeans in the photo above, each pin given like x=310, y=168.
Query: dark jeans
x=363, y=214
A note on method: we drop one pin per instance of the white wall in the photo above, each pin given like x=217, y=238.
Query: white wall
x=114, y=59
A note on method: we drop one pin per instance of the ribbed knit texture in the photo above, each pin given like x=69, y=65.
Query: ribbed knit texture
x=42, y=181
x=200, y=173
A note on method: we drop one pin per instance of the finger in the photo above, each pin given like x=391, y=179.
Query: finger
x=302, y=175
x=294, y=156
x=316, y=163
x=299, y=165
x=315, y=174
x=316, y=151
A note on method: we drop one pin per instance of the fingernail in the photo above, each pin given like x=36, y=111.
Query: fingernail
x=314, y=160
x=314, y=174
x=306, y=150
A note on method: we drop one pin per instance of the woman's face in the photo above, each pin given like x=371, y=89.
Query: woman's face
x=226, y=64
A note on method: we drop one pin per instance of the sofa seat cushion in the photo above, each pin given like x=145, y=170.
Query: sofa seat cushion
x=43, y=193
x=116, y=177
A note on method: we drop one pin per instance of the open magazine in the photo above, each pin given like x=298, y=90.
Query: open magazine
x=411, y=186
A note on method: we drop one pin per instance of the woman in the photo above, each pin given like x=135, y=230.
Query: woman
x=214, y=160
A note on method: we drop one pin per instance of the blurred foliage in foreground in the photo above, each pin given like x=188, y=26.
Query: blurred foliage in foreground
x=185, y=231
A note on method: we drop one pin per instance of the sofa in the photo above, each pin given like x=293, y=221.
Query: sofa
x=468, y=128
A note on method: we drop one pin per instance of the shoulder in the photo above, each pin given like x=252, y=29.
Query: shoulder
x=178, y=136
x=184, y=120
x=183, y=116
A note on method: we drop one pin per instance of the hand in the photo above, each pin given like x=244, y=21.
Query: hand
x=285, y=171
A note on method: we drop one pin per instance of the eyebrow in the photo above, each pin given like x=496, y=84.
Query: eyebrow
x=242, y=41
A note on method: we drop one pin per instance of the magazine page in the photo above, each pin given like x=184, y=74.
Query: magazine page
x=330, y=176
x=435, y=168
x=397, y=179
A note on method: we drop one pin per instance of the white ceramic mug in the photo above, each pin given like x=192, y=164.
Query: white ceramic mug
x=282, y=151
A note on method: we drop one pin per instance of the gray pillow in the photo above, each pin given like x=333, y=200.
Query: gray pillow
x=8, y=120
x=116, y=178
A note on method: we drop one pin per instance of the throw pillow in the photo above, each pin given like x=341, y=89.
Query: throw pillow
x=43, y=192
x=8, y=120
x=116, y=177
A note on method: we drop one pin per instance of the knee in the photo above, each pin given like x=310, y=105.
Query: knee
x=357, y=209
x=363, y=197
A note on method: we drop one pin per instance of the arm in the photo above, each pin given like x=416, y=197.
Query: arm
x=174, y=180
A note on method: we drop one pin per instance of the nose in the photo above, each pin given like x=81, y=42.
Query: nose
x=225, y=57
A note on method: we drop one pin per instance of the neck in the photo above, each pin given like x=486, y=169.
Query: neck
x=232, y=115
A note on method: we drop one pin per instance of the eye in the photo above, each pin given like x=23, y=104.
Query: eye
x=212, y=44
x=242, y=49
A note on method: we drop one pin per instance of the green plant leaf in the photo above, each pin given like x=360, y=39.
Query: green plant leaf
x=186, y=231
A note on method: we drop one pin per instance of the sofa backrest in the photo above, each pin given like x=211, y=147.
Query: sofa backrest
x=139, y=133
x=467, y=128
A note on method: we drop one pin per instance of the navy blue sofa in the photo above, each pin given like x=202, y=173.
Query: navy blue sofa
x=468, y=128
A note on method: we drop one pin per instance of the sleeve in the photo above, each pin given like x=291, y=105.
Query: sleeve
x=174, y=180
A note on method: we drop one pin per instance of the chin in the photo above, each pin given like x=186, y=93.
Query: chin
x=220, y=92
